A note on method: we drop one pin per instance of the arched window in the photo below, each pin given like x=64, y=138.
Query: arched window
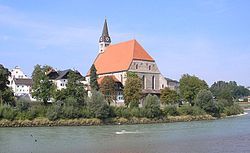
x=149, y=67
x=136, y=66
x=121, y=79
x=143, y=82
x=153, y=82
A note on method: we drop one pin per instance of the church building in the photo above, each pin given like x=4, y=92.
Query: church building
x=117, y=59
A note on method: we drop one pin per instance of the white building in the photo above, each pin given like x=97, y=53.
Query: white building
x=20, y=83
x=60, y=78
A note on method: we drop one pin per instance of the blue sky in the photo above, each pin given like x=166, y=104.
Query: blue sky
x=210, y=39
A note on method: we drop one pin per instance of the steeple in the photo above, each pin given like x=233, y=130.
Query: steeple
x=104, y=40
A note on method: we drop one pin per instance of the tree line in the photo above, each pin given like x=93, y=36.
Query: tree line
x=194, y=97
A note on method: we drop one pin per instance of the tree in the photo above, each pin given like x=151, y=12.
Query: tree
x=43, y=88
x=97, y=105
x=132, y=90
x=190, y=86
x=93, y=78
x=75, y=88
x=152, y=106
x=107, y=87
x=169, y=96
x=228, y=90
x=6, y=94
x=205, y=101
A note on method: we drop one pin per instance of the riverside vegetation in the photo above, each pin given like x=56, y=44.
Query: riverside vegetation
x=194, y=100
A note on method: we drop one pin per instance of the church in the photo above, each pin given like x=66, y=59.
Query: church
x=117, y=59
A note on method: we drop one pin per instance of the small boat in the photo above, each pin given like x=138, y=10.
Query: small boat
x=127, y=132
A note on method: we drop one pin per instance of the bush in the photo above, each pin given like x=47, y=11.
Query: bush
x=70, y=112
x=190, y=110
x=205, y=101
x=98, y=106
x=8, y=113
x=233, y=110
x=170, y=110
x=22, y=105
x=136, y=112
x=86, y=113
x=152, y=107
x=122, y=112
x=53, y=112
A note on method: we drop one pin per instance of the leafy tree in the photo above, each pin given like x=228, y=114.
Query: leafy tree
x=132, y=89
x=152, y=106
x=169, y=96
x=190, y=86
x=228, y=90
x=205, y=101
x=97, y=105
x=93, y=78
x=43, y=88
x=6, y=94
x=107, y=87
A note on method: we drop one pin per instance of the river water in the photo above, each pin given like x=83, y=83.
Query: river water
x=231, y=135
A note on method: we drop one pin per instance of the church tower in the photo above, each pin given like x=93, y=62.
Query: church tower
x=104, y=40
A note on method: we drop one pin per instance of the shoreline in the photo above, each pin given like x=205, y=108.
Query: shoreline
x=44, y=122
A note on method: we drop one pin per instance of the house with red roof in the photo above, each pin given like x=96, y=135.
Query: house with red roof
x=129, y=56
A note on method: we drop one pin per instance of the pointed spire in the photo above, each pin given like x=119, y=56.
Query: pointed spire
x=105, y=34
x=105, y=29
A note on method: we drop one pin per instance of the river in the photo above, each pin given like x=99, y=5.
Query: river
x=217, y=136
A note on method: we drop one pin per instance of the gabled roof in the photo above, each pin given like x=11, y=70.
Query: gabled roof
x=27, y=82
x=118, y=57
x=99, y=80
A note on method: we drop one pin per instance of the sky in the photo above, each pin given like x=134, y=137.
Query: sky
x=206, y=38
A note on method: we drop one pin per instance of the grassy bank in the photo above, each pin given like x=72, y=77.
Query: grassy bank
x=44, y=122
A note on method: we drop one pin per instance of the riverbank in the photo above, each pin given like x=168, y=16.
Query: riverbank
x=44, y=122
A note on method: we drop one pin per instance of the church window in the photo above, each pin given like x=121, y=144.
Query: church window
x=121, y=78
x=149, y=67
x=136, y=66
x=153, y=82
x=143, y=82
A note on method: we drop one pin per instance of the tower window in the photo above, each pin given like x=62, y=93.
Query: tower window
x=149, y=67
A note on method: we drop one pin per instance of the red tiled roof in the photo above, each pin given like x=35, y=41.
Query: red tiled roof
x=99, y=80
x=118, y=57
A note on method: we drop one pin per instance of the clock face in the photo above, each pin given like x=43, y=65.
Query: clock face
x=107, y=38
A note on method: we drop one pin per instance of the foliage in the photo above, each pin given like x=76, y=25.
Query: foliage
x=97, y=105
x=53, y=112
x=205, y=101
x=228, y=90
x=6, y=94
x=170, y=110
x=169, y=96
x=43, y=88
x=93, y=78
x=233, y=110
x=22, y=105
x=152, y=106
x=122, y=112
x=132, y=89
x=190, y=110
x=7, y=112
x=107, y=87
x=190, y=87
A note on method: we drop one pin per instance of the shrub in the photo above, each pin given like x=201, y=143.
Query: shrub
x=122, y=112
x=86, y=113
x=70, y=112
x=233, y=110
x=170, y=110
x=152, y=107
x=190, y=110
x=205, y=101
x=22, y=105
x=98, y=106
x=53, y=112
x=136, y=112
x=8, y=113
